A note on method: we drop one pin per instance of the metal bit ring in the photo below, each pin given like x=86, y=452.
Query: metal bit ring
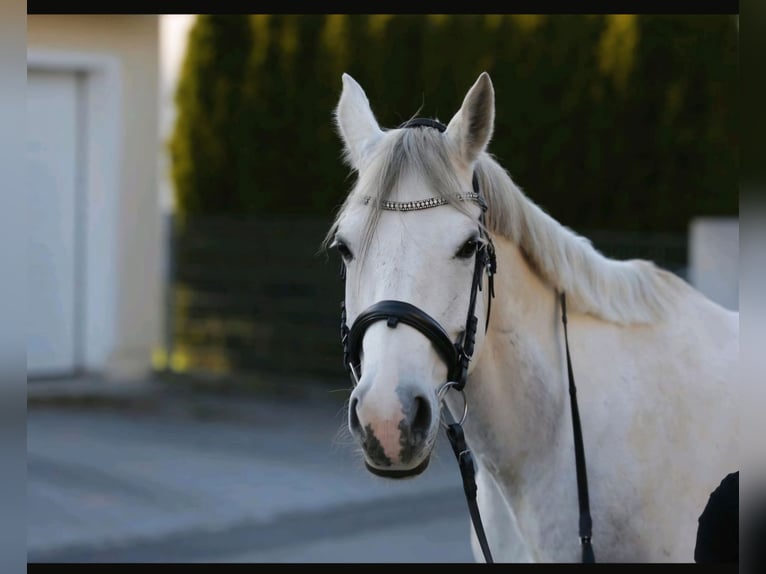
x=443, y=391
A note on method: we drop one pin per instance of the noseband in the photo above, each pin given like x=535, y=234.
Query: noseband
x=456, y=355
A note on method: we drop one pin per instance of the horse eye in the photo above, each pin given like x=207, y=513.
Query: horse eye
x=343, y=249
x=468, y=249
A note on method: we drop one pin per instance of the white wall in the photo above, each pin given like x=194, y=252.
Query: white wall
x=128, y=243
x=174, y=32
x=714, y=259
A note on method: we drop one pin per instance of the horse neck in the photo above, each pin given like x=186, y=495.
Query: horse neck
x=518, y=424
x=517, y=391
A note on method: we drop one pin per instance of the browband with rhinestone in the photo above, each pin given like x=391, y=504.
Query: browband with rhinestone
x=433, y=201
x=422, y=203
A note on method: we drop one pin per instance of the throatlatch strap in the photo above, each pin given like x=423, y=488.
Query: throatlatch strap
x=586, y=523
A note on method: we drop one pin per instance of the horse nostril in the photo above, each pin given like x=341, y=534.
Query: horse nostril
x=421, y=422
x=353, y=416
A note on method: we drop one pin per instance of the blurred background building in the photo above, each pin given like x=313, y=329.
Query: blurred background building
x=95, y=243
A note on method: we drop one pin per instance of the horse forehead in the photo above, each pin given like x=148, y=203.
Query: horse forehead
x=425, y=229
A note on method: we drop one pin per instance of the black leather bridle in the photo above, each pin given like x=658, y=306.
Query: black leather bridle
x=457, y=356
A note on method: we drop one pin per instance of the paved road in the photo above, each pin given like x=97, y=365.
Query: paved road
x=267, y=481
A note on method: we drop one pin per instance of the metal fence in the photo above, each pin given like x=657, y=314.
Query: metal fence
x=256, y=295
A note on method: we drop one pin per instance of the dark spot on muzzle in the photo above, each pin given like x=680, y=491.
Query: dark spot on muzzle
x=373, y=448
x=414, y=427
x=411, y=440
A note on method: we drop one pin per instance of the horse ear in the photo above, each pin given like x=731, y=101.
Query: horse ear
x=356, y=123
x=471, y=127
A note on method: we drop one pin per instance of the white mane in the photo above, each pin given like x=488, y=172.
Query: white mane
x=634, y=291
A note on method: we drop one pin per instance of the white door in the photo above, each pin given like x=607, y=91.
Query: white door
x=52, y=220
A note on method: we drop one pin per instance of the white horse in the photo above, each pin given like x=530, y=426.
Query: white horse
x=655, y=361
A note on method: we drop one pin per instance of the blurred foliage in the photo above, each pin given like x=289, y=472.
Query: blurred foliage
x=614, y=122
